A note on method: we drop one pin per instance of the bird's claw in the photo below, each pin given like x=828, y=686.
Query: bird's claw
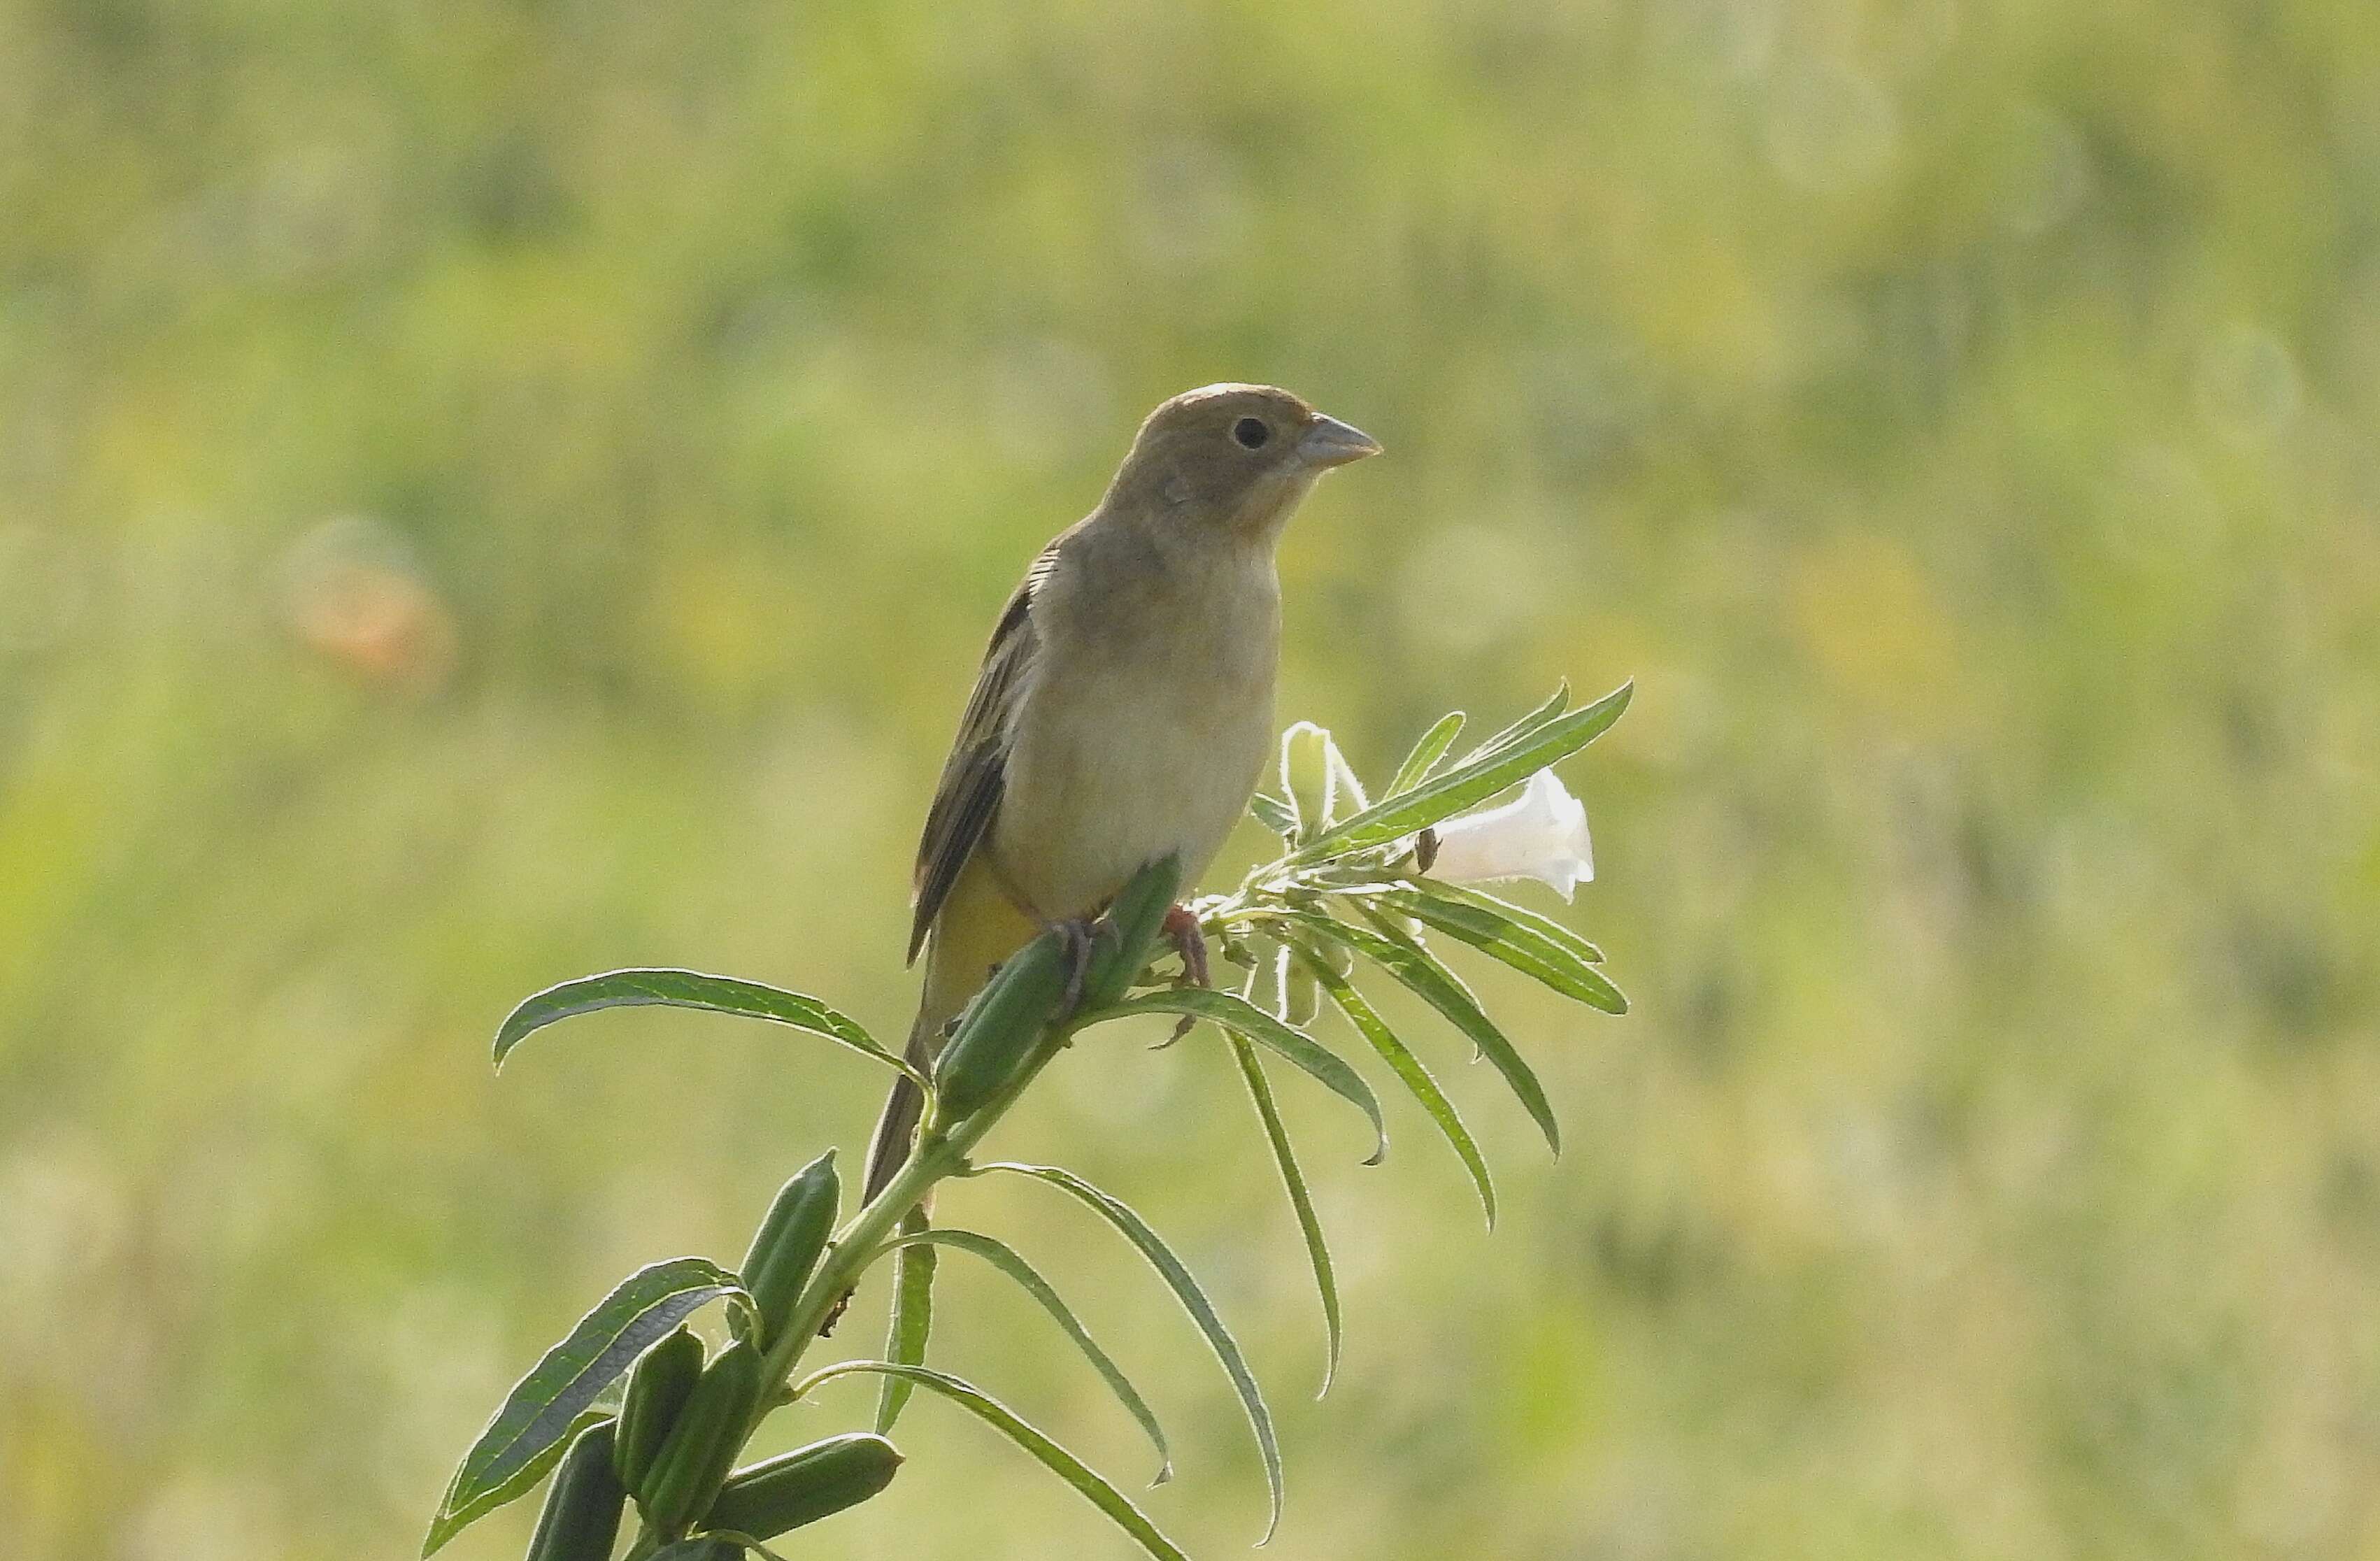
x=1190, y=941
x=1076, y=932
x=1182, y=929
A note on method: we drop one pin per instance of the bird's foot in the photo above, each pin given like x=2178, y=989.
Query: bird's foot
x=1076, y=932
x=1181, y=927
x=1182, y=931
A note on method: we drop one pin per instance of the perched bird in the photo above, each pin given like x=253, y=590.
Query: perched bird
x=1124, y=705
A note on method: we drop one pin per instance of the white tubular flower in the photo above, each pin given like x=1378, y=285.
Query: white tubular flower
x=1541, y=834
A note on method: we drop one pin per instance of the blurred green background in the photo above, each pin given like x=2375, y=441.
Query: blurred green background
x=493, y=491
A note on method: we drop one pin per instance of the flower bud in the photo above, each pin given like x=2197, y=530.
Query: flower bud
x=1347, y=797
x=1265, y=987
x=1301, y=995
x=1305, y=775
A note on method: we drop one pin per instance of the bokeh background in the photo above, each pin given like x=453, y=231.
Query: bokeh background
x=492, y=491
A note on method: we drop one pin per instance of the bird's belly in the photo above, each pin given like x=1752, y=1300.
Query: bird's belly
x=1122, y=766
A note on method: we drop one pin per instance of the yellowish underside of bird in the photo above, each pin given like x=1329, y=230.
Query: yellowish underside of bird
x=1147, y=747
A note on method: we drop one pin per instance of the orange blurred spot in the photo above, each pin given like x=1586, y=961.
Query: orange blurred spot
x=356, y=594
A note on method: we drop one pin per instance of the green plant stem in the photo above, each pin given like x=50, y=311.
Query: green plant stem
x=940, y=1153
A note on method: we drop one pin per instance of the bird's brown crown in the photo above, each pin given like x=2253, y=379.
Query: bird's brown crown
x=1234, y=456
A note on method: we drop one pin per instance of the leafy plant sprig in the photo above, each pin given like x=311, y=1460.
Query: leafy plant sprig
x=629, y=1408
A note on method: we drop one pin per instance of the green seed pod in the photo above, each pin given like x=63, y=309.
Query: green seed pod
x=804, y=1486
x=1001, y=1027
x=701, y=1447
x=582, y=1510
x=1134, y=920
x=788, y=1244
x=657, y=1388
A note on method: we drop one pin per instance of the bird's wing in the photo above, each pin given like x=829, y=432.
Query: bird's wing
x=967, y=797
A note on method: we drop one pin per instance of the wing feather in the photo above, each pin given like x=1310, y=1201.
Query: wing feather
x=967, y=798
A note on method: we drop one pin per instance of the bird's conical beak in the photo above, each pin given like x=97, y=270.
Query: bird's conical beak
x=1328, y=442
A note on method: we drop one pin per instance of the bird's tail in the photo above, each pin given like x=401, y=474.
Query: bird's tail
x=976, y=930
x=897, y=1124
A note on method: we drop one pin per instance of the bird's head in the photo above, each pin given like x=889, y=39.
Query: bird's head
x=1232, y=460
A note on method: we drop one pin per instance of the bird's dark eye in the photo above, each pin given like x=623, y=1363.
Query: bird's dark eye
x=1250, y=432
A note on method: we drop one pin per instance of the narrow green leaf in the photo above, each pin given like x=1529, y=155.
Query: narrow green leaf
x=540, y=1412
x=1273, y=813
x=688, y=989
x=912, y=1321
x=1009, y=1423
x=1194, y=1301
x=1309, y=1224
x=1473, y=781
x=1241, y=1017
x=1407, y=1066
x=1005, y=1258
x=1419, y=971
x=523, y=1480
x=1427, y=752
x=1554, y=706
x=1504, y=936
x=1543, y=925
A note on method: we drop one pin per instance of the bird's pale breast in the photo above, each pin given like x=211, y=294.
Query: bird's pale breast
x=1143, y=732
